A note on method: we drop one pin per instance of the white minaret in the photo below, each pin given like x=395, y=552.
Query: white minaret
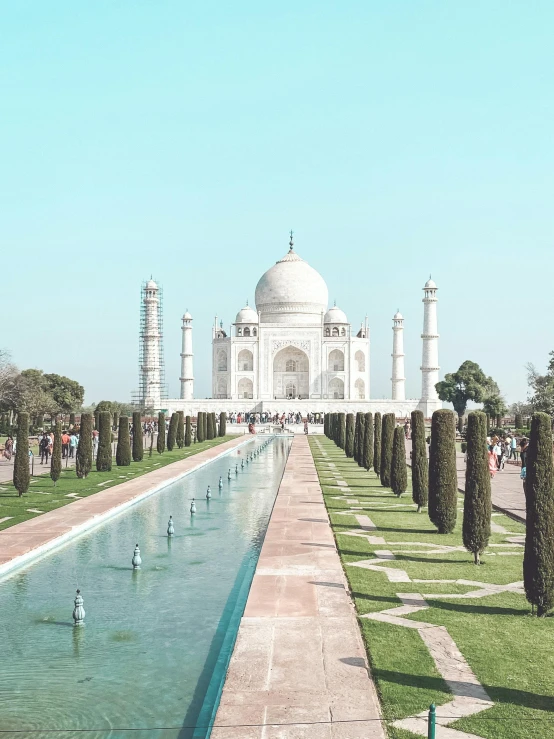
x=398, y=379
x=430, y=360
x=187, y=376
x=151, y=342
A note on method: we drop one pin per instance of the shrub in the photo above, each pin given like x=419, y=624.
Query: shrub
x=123, y=449
x=200, y=433
x=160, y=444
x=21, y=474
x=83, y=459
x=172, y=433
x=518, y=421
x=349, y=439
x=387, y=436
x=476, y=529
x=222, y=423
x=420, y=465
x=180, y=435
x=56, y=459
x=138, y=442
x=377, y=445
x=341, y=430
x=443, y=483
x=188, y=432
x=367, y=451
x=399, y=473
x=538, y=559
x=104, y=453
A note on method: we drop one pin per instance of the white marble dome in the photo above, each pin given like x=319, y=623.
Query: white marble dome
x=335, y=315
x=430, y=284
x=246, y=315
x=291, y=292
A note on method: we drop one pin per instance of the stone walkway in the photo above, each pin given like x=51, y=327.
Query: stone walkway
x=299, y=667
x=29, y=538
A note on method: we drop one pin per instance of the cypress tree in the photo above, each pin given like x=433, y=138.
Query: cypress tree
x=83, y=459
x=116, y=420
x=180, y=436
x=341, y=430
x=123, y=450
x=104, y=453
x=361, y=439
x=420, y=465
x=538, y=559
x=188, y=432
x=387, y=438
x=443, y=483
x=518, y=421
x=209, y=427
x=222, y=423
x=138, y=443
x=349, y=439
x=377, y=445
x=476, y=528
x=367, y=459
x=97, y=420
x=72, y=419
x=160, y=444
x=200, y=426
x=56, y=459
x=326, y=425
x=21, y=474
x=172, y=433
x=356, y=445
x=399, y=473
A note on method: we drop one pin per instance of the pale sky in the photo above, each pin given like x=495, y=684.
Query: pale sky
x=397, y=139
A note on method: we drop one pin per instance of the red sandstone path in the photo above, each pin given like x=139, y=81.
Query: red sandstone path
x=41, y=531
x=299, y=655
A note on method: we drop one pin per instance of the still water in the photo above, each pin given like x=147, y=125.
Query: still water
x=154, y=649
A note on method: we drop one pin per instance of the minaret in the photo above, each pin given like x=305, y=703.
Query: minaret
x=151, y=347
x=430, y=360
x=398, y=379
x=187, y=377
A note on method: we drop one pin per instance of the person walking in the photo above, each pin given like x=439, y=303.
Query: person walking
x=513, y=445
x=65, y=444
x=8, y=449
x=73, y=441
x=44, y=448
x=493, y=465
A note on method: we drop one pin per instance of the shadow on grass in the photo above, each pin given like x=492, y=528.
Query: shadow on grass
x=407, y=530
x=477, y=609
x=498, y=695
x=377, y=598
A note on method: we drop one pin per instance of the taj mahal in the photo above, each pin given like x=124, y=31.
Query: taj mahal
x=292, y=352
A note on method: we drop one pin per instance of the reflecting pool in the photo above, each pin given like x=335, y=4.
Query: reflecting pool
x=154, y=649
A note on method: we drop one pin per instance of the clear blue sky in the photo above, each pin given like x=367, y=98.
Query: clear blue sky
x=396, y=138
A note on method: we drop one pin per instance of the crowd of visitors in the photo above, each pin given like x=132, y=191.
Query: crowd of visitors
x=282, y=418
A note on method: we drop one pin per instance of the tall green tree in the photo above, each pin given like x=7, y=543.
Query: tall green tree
x=518, y=421
x=443, y=483
x=209, y=427
x=356, y=446
x=188, y=431
x=476, y=528
x=538, y=559
x=104, y=453
x=138, y=441
x=495, y=407
x=71, y=420
x=469, y=382
x=361, y=437
x=326, y=424
x=83, y=458
x=160, y=444
x=367, y=455
x=387, y=436
x=21, y=474
x=123, y=449
x=200, y=426
x=377, y=444
x=180, y=437
x=420, y=465
x=222, y=423
x=172, y=433
x=56, y=458
x=349, y=440
x=399, y=473
x=541, y=388
x=341, y=430
x=116, y=421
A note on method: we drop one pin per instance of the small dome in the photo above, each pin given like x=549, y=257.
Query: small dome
x=246, y=315
x=151, y=285
x=430, y=283
x=187, y=316
x=398, y=316
x=335, y=315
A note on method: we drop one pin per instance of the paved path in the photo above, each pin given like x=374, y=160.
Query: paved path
x=299, y=656
x=21, y=540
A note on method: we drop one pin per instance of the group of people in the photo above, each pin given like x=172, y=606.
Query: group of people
x=501, y=449
x=70, y=441
x=277, y=418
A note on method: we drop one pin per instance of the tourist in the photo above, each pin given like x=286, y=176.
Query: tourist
x=306, y=427
x=513, y=450
x=95, y=442
x=499, y=452
x=8, y=448
x=493, y=465
x=44, y=448
x=523, y=446
x=65, y=444
x=73, y=443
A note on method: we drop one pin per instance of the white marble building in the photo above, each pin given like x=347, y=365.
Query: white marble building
x=293, y=352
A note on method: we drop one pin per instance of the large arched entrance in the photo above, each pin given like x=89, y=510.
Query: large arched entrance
x=291, y=373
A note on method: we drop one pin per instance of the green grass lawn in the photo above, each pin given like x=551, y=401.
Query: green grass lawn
x=44, y=496
x=510, y=652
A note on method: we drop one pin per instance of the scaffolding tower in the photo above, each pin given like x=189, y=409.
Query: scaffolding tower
x=152, y=390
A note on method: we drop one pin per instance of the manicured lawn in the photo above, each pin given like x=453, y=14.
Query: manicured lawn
x=510, y=652
x=44, y=496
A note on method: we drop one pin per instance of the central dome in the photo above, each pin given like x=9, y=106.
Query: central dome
x=291, y=292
